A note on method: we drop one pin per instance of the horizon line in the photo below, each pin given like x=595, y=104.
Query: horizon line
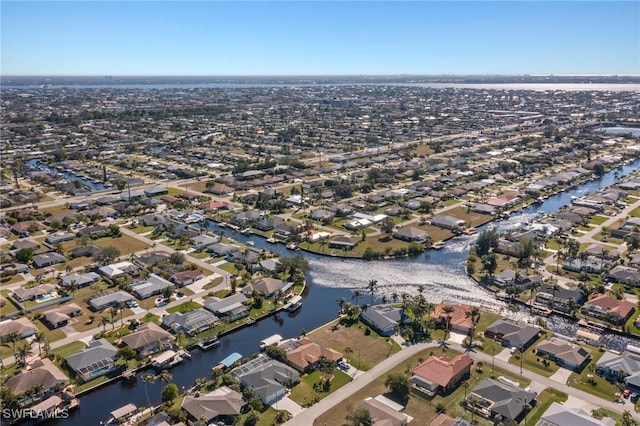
x=613, y=74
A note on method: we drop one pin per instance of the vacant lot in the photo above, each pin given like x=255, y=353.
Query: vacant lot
x=124, y=243
x=366, y=351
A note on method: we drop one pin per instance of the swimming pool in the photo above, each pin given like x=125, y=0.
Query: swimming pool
x=46, y=298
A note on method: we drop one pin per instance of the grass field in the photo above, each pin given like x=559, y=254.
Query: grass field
x=303, y=392
x=366, y=351
x=185, y=307
x=125, y=244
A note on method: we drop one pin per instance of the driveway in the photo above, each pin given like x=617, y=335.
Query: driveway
x=504, y=355
x=561, y=376
x=288, y=404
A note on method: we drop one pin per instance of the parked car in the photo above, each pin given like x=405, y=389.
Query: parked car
x=343, y=365
x=626, y=393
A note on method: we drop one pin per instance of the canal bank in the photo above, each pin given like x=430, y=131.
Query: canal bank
x=441, y=274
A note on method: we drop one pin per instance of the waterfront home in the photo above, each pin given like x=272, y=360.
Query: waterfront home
x=221, y=406
x=233, y=307
x=271, y=265
x=269, y=223
x=41, y=373
x=565, y=354
x=222, y=249
x=94, y=361
x=505, y=278
x=458, y=318
x=342, y=242
x=623, y=367
x=60, y=316
x=491, y=398
x=307, y=353
x=183, y=278
x=80, y=280
x=149, y=339
x=42, y=291
x=266, y=377
x=191, y=323
x=203, y=241
x=383, y=411
x=154, y=284
x=48, y=259
x=609, y=309
x=248, y=256
x=438, y=375
x=560, y=298
x=512, y=334
x=108, y=299
x=22, y=326
x=411, y=234
x=383, y=318
x=447, y=222
x=268, y=287
x=561, y=415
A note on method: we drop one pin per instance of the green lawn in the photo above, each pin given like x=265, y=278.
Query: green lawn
x=535, y=363
x=303, y=392
x=598, y=220
x=68, y=349
x=185, y=307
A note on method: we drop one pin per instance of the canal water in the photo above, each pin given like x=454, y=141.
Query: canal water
x=441, y=273
x=37, y=165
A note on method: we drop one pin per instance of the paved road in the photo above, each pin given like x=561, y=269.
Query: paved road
x=308, y=416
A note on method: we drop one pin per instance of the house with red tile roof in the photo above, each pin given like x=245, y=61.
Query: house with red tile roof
x=440, y=375
x=304, y=357
x=609, y=308
x=459, y=321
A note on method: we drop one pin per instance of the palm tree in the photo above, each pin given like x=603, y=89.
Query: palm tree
x=341, y=302
x=372, y=288
x=448, y=309
x=472, y=313
x=46, y=346
x=121, y=308
x=395, y=297
x=356, y=295
x=73, y=287
x=104, y=321
x=554, y=288
x=148, y=378
x=14, y=336
x=39, y=338
x=535, y=285
x=113, y=312
x=24, y=351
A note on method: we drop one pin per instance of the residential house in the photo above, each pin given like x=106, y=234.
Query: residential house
x=42, y=291
x=384, y=319
x=623, y=367
x=42, y=373
x=116, y=270
x=25, y=244
x=108, y=299
x=267, y=378
x=307, y=353
x=22, y=229
x=268, y=287
x=624, y=274
x=84, y=251
x=22, y=326
x=562, y=415
x=560, y=298
x=191, y=323
x=80, y=280
x=248, y=256
x=609, y=309
x=269, y=223
x=383, y=413
x=183, y=278
x=271, y=265
x=447, y=222
x=412, y=234
x=222, y=249
x=60, y=316
x=221, y=406
x=94, y=361
x=512, y=334
x=458, y=318
x=440, y=375
x=506, y=278
x=203, y=241
x=154, y=284
x=233, y=307
x=93, y=232
x=48, y=259
x=321, y=215
x=565, y=354
x=342, y=242
x=491, y=398
x=149, y=339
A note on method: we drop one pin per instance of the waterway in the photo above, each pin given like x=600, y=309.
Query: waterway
x=37, y=165
x=440, y=272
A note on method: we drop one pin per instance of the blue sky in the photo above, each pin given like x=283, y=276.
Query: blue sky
x=302, y=38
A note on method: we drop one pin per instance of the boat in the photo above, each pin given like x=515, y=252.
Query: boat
x=209, y=343
x=272, y=240
x=250, y=243
x=438, y=246
x=294, y=304
x=246, y=231
x=270, y=341
x=292, y=246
